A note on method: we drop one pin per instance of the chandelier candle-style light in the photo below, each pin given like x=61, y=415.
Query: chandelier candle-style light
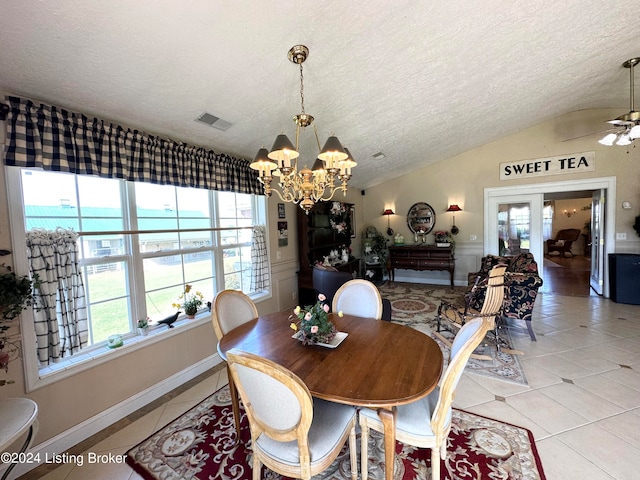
x=305, y=186
x=627, y=125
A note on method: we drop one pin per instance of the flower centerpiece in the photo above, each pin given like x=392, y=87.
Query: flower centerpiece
x=190, y=301
x=314, y=325
x=443, y=238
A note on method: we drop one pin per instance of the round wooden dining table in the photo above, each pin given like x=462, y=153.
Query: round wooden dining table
x=379, y=364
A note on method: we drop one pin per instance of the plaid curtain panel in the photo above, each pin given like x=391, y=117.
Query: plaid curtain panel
x=58, y=140
x=259, y=260
x=61, y=315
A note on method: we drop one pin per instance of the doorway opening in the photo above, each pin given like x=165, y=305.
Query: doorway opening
x=566, y=232
x=536, y=197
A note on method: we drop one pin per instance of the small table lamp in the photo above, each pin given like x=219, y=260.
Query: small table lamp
x=454, y=208
x=388, y=212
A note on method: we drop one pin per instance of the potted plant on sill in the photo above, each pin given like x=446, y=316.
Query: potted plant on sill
x=143, y=326
x=190, y=301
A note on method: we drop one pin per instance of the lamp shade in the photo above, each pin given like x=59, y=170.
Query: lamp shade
x=263, y=163
x=454, y=208
x=332, y=152
x=283, y=149
x=348, y=163
x=388, y=211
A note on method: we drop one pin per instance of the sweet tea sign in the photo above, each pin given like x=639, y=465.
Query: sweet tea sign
x=560, y=165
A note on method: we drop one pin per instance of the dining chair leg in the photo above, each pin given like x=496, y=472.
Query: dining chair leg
x=364, y=449
x=235, y=404
x=435, y=463
x=257, y=468
x=353, y=453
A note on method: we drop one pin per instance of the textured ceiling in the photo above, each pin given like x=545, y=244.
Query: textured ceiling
x=420, y=81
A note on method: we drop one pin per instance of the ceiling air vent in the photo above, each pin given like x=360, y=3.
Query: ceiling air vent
x=379, y=156
x=213, y=121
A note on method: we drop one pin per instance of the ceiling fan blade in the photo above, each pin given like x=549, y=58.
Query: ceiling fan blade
x=599, y=132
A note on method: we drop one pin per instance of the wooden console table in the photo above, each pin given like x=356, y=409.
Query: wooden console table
x=420, y=257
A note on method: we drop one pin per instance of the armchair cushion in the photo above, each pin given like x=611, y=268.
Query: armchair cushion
x=522, y=284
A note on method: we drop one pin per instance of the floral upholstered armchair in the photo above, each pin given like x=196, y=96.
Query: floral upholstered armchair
x=522, y=284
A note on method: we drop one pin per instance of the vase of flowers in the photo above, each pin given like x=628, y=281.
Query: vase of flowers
x=190, y=301
x=313, y=325
x=143, y=326
x=443, y=238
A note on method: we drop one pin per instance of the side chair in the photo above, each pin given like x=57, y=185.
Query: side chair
x=358, y=297
x=426, y=423
x=232, y=308
x=453, y=317
x=291, y=433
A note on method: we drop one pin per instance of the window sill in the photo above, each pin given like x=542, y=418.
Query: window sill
x=99, y=355
x=96, y=356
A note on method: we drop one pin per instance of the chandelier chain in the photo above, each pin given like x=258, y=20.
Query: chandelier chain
x=302, y=89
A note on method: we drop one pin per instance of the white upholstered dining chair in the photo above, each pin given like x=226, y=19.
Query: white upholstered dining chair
x=232, y=308
x=291, y=433
x=426, y=423
x=358, y=297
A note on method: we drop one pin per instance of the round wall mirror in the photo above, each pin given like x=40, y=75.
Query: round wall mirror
x=421, y=218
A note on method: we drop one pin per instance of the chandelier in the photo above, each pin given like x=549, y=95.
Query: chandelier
x=305, y=186
x=627, y=126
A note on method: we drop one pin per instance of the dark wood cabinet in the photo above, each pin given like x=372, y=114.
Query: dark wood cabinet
x=327, y=227
x=420, y=257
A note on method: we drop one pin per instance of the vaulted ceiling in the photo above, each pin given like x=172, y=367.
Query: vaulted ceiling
x=419, y=81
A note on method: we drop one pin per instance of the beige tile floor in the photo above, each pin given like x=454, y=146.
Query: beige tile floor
x=582, y=403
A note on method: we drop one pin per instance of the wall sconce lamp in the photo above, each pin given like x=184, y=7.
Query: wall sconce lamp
x=388, y=212
x=569, y=213
x=454, y=208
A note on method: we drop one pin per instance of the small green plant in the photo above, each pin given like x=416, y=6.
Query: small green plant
x=16, y=294
x=143, y=323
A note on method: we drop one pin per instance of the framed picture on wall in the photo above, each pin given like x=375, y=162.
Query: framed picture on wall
x=283, y=234
x=281, y=213
x=352, y=218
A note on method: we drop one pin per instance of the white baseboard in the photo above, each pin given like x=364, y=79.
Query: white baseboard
x=71, y=437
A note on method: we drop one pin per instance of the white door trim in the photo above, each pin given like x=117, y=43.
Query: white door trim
x=608, y=183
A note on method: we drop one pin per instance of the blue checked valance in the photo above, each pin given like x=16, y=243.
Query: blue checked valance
x=55, y=139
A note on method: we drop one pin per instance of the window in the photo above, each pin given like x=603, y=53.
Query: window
x=142, y=243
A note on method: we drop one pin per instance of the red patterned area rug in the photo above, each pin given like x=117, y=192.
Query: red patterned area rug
x=199, y=445
x=416, y=305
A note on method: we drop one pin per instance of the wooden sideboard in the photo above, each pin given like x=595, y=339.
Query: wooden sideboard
x=420, y=257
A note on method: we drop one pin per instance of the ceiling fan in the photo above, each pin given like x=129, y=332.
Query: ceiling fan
x=625, y=128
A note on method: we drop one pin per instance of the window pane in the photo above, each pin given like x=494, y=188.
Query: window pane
x=165, y=278
x=101, y=246
x=100, y=204
x=193, y=202
x=160, y=302
x=237, y=268
x=109, y=318
x=106, y=281
x=49, y=200
x=161, y=272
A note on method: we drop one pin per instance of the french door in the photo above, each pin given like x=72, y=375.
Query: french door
x=597, y=240
x=514, y=225
x=496, y=200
